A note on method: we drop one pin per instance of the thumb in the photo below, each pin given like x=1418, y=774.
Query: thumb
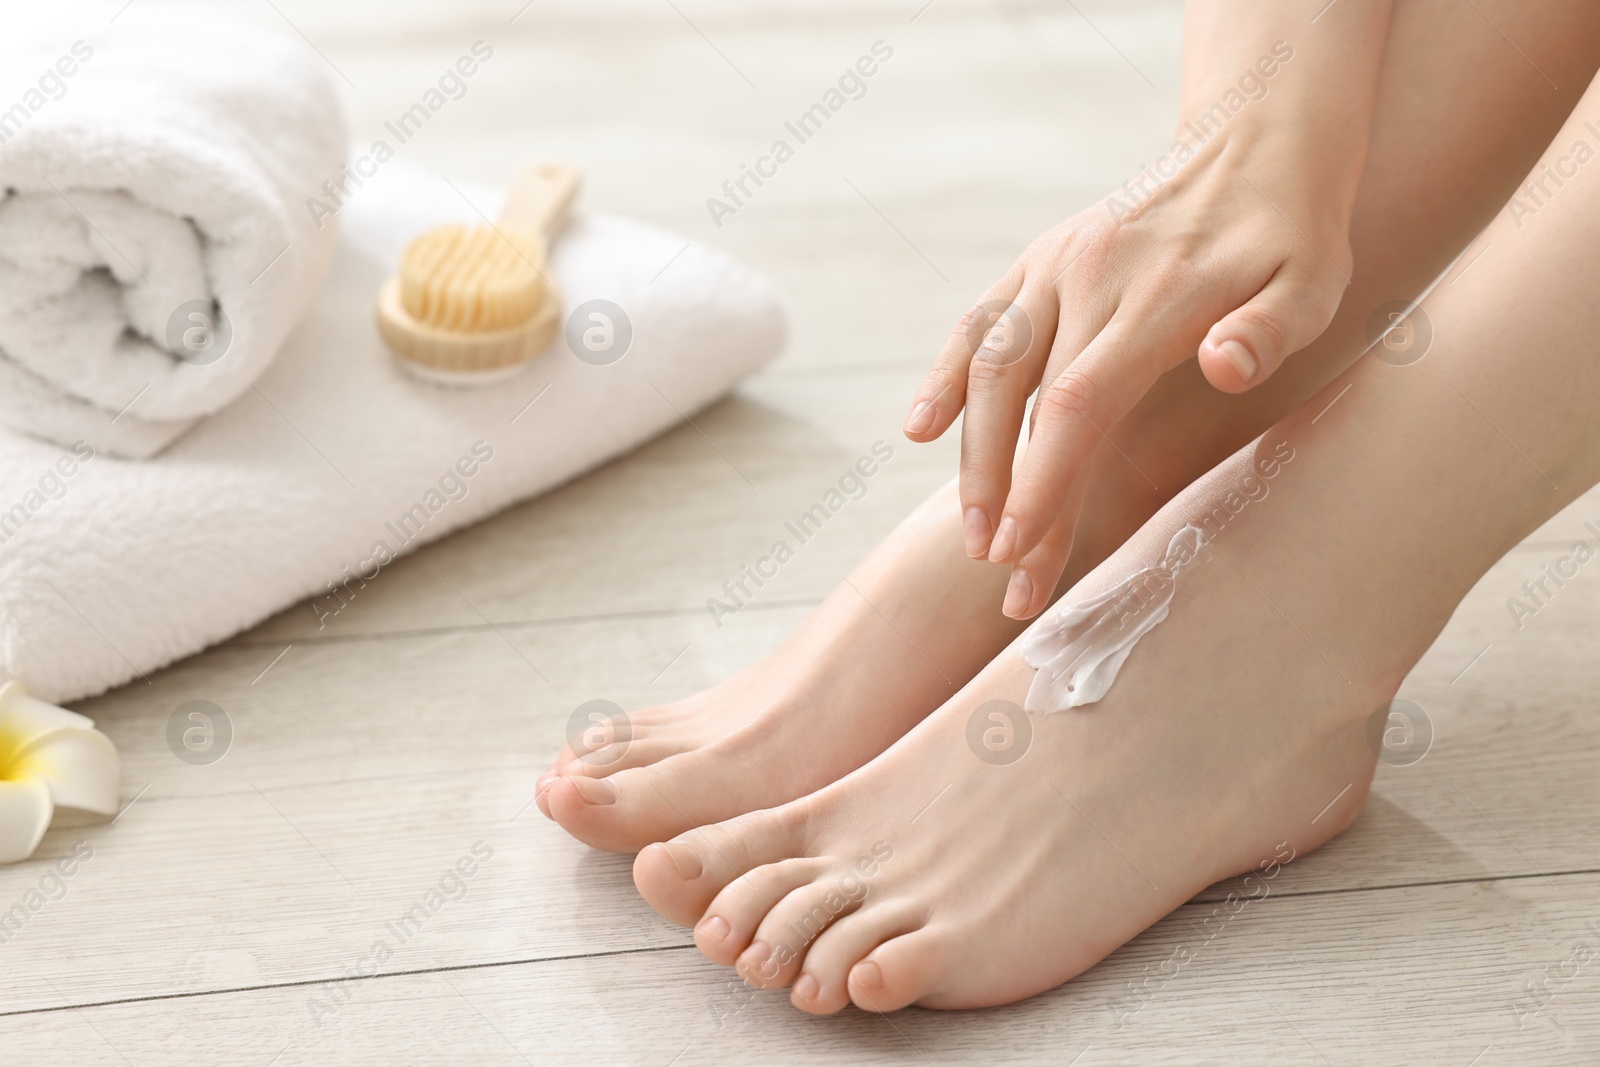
x=1248, y=345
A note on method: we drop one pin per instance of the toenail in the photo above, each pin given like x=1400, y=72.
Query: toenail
x=1019, y=594
x=716, y=928
x=1005, y=540
x=544, y=782
x=1241, y=358
x=753, y=964
x=806, y=987
x=684, y=859
x=595, y=791
x=976, y=532
x=866, y=975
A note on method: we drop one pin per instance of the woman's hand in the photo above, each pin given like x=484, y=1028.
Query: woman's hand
x=1230, y=258
x=1233, y=248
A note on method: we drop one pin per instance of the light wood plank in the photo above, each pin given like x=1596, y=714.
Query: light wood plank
x=1348, y=978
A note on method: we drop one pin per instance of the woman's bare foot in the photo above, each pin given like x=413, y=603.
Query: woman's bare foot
x=886, y=648
x=991, y=854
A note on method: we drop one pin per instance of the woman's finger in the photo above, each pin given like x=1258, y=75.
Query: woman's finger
x=1003, y=373
x=1072, y=413
x=1243, y=349
x=943, y=392
x=1079, y=303
x=1034, y=577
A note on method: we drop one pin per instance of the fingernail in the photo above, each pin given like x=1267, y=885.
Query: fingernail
x=1019, y=594
x=715, y=928
x=806, y=987
x=684, y=858
x=866, y=975
x=1005, y=539
x=921, y=418
x=1240, y=357
x=976, y=531
x=596, y=791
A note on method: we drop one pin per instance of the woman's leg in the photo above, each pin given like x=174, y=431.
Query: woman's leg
x=1462, y=115
x=950, y=875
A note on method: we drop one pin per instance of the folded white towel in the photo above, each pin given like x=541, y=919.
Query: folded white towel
x=339, y=459
x=153, y=170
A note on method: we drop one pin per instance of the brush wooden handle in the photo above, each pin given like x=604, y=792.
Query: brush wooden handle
x=540, y=197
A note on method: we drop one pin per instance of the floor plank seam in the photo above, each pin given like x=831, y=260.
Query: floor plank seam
x=525, y=767
x=301, y=983
x=1344, y=890
x=659, y=949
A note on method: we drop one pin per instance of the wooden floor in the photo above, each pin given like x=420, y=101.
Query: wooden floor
x=245, y=912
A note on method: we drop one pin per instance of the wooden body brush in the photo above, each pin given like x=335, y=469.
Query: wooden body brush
x=474, y=303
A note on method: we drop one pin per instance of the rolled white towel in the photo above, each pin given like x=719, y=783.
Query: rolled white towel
x=111, y=568
x=155, y=246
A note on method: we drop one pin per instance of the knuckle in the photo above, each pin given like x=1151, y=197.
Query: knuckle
x=1094, y=245
x=935, y=384
x=1073, y=393
x=1007, y=341
x=971, y=323
x=1082, y=251
x=1266, y=326
x=963, y=327
x=976, y=319
x=998, y=325
x=984, y=374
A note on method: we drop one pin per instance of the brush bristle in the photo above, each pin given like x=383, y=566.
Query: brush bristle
x=471, y=279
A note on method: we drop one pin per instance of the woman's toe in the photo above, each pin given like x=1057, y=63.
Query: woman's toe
x=727, y=932
x=899, y=972
x=658, y=802
x=823, y=983
x=680, y=878
x=602, y=763
x=629, y=809
x=792, y=926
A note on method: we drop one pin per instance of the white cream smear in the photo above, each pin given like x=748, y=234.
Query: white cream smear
x=1079, y=648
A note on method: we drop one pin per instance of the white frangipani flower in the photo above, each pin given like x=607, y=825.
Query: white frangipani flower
x=49, y=758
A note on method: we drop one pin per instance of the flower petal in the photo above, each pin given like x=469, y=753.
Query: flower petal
x=25, y=811
x=81, y=768
x=24, y=719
